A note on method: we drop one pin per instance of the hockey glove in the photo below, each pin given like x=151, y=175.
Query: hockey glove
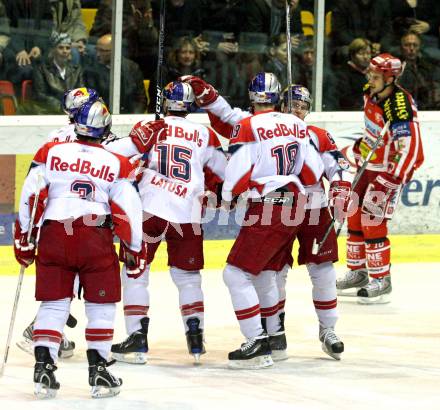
x=135, y=262
x=381, y=196
x=205, y=93
x=145, y=134
x=24, y=251
x=339, y=199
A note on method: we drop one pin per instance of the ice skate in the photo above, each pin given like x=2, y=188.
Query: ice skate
x=194, y=338
x=66, y=348
x=351, y=282
x=103, y=383
x=46, y=385
x=254, y=354
x=133, y=349
x=378, y=291
x=331, y=344
x=26, y=344
x=278, y=346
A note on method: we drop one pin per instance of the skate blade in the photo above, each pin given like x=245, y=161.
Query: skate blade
x=132, y=358
x=279, y=355
x=336, y=356
x=377, y=300
x=42, y=392
x=101, y=392
x=65, y=354
x=26, y=346
x=259, y=362
x=350, y=292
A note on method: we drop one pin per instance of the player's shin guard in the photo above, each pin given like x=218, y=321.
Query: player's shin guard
x=189, y=285
x=136, y=298
x=99, y=331
x=267, y=290
x=323, y=277
x=49, y=324
x=244, y=300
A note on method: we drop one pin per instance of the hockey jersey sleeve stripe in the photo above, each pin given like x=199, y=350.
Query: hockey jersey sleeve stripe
x=125, y=166
x=223, y=128
x=42, y=154
x=243, y=184
x=121, y=222
x=307, y=176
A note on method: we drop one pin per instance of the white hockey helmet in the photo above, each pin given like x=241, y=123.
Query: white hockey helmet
x=93, y=120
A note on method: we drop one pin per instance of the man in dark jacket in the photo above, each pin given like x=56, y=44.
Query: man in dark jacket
x=370, y=19
x=97, y=76
x=51, y=79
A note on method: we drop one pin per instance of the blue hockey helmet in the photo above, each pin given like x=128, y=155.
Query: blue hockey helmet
x=179, y=97
x=75, y=98
x=264, y=89
x=298, y=93
x=93, y=120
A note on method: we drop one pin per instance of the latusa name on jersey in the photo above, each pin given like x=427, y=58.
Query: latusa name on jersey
x=173, y=187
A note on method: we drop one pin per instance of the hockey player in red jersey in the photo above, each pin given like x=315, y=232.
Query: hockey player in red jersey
x=378, y=190
x=320, y=266
x=223, y=118
x=178, y=172
x=271, y=160
x=87, y=193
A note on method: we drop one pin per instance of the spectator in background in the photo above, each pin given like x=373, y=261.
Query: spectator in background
x=56, y=75
x=184, y=17
x=97, y=76
x=28, y=28
x=67, y=18
x=421, y=76
x=276, y=62
x=303, y=74
x=269, y=17
x=227, y=15
x=184, y=59
x=369, y=19
x=139, y=31
x=351, y=77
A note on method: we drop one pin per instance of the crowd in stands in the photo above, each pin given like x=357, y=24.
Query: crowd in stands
x=49, y=46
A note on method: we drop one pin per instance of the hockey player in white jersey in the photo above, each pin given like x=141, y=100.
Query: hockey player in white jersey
x=272, y=160
x=320, y=266
x=71, y=102
x=179, y=171
x=223, y=118
x=88, y=193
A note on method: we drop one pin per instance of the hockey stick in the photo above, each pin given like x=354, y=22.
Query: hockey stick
x=20, y=277
x=317, y=247
x=159, y=73
x=289, y=57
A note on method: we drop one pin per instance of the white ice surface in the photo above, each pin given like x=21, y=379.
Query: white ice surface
x=391, y=361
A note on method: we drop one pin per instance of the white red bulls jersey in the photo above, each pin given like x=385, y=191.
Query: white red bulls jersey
x=401, y=152
x=180, y=169
x=63, y=134
x=83, y=179
x=269, y=150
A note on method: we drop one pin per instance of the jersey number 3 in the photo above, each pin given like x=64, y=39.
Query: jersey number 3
x=174, y=161
x=285, y=156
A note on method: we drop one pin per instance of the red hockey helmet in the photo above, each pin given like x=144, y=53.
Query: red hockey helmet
x=386, y=64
